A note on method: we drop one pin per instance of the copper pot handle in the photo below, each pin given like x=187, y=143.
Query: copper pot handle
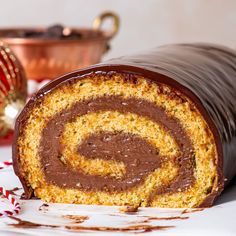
x=98, y=21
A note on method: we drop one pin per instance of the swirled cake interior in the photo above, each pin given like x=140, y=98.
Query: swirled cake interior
x=117, y=139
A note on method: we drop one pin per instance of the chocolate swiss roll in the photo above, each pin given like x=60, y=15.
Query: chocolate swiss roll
x=154, y=129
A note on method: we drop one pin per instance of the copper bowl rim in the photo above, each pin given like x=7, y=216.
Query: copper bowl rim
x=97, y=34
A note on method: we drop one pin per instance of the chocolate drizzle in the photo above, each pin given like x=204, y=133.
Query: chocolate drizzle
x=137, y=228
x=140, y=157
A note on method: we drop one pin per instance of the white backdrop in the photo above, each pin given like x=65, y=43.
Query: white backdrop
x=144, y=23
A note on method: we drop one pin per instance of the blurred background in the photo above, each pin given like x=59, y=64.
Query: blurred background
x=144, y=24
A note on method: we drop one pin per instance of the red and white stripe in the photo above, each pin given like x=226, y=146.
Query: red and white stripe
x=16, y=206
x=5, y=164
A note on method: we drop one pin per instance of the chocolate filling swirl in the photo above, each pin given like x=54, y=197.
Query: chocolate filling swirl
x=140, y=157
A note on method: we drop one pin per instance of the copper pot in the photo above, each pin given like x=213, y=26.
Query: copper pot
x=49, y=58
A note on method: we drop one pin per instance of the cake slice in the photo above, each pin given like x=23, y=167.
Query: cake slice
x=146, y=130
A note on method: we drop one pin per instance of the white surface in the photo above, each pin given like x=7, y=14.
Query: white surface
x=144, y=24
x=218, y=220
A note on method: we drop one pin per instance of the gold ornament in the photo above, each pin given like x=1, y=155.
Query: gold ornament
x=13, y=88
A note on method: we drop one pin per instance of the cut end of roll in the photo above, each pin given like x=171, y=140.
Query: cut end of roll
x=117, y=139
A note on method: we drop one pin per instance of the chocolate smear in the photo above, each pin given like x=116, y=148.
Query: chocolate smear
x=132, y=228
x=76, y=218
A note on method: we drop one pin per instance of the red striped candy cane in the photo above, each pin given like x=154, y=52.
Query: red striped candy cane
x=11, y=199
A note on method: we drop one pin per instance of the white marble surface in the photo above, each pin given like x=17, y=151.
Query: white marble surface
x=218, y=220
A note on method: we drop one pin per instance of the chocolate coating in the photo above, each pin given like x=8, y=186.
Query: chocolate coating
x=205, y=73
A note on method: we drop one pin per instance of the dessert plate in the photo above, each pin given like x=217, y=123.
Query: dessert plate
x=39, y=218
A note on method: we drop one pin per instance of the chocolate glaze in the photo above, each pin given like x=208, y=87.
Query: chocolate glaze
x=140, y=157
x=203, y=72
